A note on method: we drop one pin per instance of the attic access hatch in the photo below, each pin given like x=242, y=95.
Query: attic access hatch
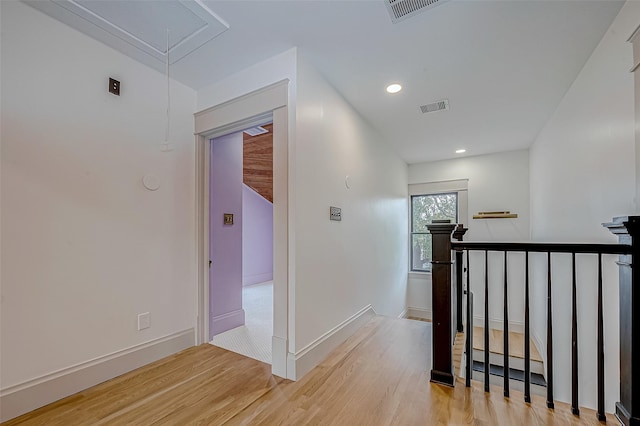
x=134, y=27
x=403, y=9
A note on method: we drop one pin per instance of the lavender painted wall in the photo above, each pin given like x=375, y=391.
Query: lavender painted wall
x=225, y=297
x=257, y=237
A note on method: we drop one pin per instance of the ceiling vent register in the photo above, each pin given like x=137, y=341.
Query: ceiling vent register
x=403, y=9
x=435, y=106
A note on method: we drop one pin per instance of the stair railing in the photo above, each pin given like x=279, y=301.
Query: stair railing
x=448, y=315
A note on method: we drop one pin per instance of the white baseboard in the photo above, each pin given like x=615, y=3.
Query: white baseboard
x=313, y=354
x=279, y=357
x=403, y=314
x=27, y=396
x=494, y=324
x=422, y=313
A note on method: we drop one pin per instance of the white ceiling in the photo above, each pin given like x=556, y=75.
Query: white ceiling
x=503, y=65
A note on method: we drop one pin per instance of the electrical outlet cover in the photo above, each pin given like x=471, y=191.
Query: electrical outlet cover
x=143, y=321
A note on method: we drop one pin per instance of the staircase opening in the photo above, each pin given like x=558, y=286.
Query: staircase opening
x=493, y=356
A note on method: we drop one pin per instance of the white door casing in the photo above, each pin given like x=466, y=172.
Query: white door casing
x=258, y=107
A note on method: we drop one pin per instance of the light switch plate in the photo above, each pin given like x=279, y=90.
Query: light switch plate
x=335, y=213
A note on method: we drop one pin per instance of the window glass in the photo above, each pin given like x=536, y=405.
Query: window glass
x=424, y=210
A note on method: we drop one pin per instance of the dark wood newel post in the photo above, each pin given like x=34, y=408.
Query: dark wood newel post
x=627, y=229
x=442, y=350
x=458, y=233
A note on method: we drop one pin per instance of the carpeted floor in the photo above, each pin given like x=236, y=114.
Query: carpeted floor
x=254, y=338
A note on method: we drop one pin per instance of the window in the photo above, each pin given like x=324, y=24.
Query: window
x=425, y=209
x=431, y=201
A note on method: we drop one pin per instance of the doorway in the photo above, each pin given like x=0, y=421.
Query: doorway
x=267, y=104
x=241, y=242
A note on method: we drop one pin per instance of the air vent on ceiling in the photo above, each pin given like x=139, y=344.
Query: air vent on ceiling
x=403, y=9
x=255, y=131
x=435, y=106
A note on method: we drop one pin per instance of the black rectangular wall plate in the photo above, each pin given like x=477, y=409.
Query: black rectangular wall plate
x=114, y=86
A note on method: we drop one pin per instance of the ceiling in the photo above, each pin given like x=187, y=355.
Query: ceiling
x=503, y=65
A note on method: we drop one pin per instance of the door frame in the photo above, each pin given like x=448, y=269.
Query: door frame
x=267, y=104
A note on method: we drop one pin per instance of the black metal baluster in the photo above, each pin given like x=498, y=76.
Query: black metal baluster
x=574, y=340
x=459, y=292
x=486, y=321
x=601, y=415
x=527, y=337
x=506, y=331
x=550, y=403
x=469, y=329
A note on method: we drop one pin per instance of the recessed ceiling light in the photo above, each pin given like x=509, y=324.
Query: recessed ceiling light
x=394, y=88
x=460, y=151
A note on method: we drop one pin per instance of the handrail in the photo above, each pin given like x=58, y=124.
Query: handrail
x=578, y=248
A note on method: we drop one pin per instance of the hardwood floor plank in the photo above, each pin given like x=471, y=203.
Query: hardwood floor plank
x=380, y=376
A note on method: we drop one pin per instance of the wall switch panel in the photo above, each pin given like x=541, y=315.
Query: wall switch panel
x=335, y=213
x=144, y=321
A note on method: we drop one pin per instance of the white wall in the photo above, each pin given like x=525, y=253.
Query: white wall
x=262, y=74
x=342, y=267
x=85, y=247
x=582, y=174
x=496, y=182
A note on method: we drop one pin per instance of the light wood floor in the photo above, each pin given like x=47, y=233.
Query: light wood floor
x=380, y=376
x=496, y=344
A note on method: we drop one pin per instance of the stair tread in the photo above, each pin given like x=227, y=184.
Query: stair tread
x=514, y=374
